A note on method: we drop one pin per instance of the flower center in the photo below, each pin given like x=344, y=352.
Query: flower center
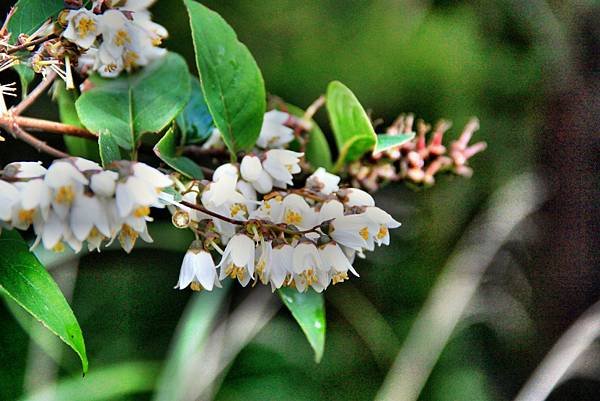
x=86, y=26
x=292, y=217
x=339, y=277
x=65, y=195
x=59, y=247
x=310, y=276
x=141, y=211
x=195, y=286
x=121, y=37
x=126, y=235
x=234, y=272
x=237, y=208
x=364, y=233
x=26, y=215
x=383, y=231
x=130, y=59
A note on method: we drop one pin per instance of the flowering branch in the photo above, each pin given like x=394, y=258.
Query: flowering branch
x=38, y=144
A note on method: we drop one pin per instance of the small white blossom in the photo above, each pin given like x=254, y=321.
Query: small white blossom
x=82, y=28
x=358, y=197
x=25, y=170
x=282, y=265
x=104, y=183
x=274, y=134
x=198, y=269
x=281, y=164
x=336, y=262
x=323, y=182
x=238, y=259
x=308, y=268
x=250, y=168
x=298, y=213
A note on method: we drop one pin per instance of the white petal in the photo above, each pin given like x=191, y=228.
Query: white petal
x=250, y=168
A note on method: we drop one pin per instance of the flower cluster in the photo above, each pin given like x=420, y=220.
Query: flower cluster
x=75, y=200
x=114, y=38
x=301, y=238
x=417, y=161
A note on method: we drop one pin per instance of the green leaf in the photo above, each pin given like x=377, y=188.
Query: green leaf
x=166, y=150
x=353, y=131
x=24, y=279
x=31, y=14
x=132, y=105
x=308, y=308
x=318, y=153
x=195, y=122
x=26, y=75
x=192, y=332
x=113, y=382
x=109, y=150
x=230, y=78
x=68, y=115
x=387, y=141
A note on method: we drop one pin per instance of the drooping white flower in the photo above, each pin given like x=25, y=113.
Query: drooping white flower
x=323, y=182
x=34, y=203
x=331, y=209
x=250, y=168
x=383, y=221
x=238, y=259
x=89, y=219
x=282, y=265
x=308, y=268
x=108, y=64
x=24, y=170
x=274, y=134
x=357, y=197
x=9, y=197
x=104, y=183
x=151, y=175
x=82, y=28
x=264, y=183
x=354, y=231
x=298, y=213
x=270, y=210
x=198, y=269
x=336, y=262
x=115, y=34
x=281, y=164
x=66, y=183
x=135, y=196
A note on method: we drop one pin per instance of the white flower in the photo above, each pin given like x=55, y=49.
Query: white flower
x=358, y=197
x=115, y=35
x=52, y=232
x=25, y=170
x=9, y=197
x=107, y=64
x=383, y=221
x=323, y=182
x=34, y=203
x=238, y=259
x=250, y=168
x=198, y=269
x=331, y=209
x=298, y=213
x=270, y=209
x=281, y=266
x=104, y=183
x=135, y=196
x=308, y=268
x=82, y=28
x=264, y=183
x=66, y=182
x=151, y=175
x=85, y=165
x=336, y=262
x=274, y=134
x=281, y=164
x=89, y=219
x=354, y=231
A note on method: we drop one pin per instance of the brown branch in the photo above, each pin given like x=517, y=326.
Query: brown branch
x=34, y=42
x=211, y=213
x=33, y=95
x=49, y=126
x=40, y=145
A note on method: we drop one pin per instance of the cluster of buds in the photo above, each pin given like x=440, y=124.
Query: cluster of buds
x=76, y=201
x=302, y=238
x=108, y=38
x=418, y=161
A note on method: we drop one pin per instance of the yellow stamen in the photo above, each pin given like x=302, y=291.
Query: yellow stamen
x=194, y=286
x=157, y=41
x=130, y=59
x=59, y=247
x=121, y=37
x=364, y=233
x=141, y=211
x=383, y=231
x=64, y=195
x=26, y=216
x=310, y=276
x=339, y=277
x=292, y=217
x=86, y=26
x=127, y=234
x=238, y=207
x=234, y=272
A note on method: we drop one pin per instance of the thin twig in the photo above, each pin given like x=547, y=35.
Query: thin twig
x=562, y=356
x=213, y=214
x=456, y=286
x=33, y=95
x=47, y=126
x=40, y=145
x=34, y=42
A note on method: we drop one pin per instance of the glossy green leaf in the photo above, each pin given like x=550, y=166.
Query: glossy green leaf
x=353, y=131
x=230, y=78
x=113, y=382
x=26, y=75
x=132, y=105
x=387, y=141
x=68, y=114
x=24, y=280
x=193, y=331
x=318, y=153
x=195, y=122
x=166, y=150
x=31, y=14
x=308, y=308
x=109, y=149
